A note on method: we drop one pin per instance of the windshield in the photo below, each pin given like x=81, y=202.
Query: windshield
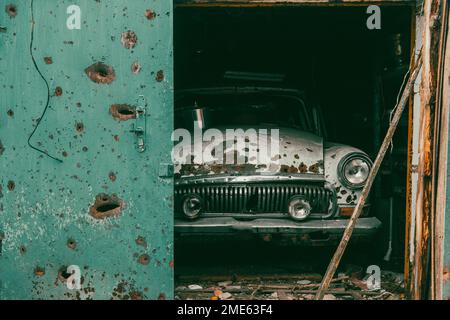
x=241, y=110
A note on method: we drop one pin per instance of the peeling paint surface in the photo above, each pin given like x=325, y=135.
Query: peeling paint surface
x=45, y=218
x=300, y=152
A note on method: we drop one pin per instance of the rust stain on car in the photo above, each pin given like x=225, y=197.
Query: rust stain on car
x=303, y=168
x=314, y=168
x=288, y=169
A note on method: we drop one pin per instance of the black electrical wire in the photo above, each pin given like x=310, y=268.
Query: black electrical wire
x=48, y=91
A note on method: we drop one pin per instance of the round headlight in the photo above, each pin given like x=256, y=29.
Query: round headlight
x=192, y=206
x=299, y=208
x=354, y=171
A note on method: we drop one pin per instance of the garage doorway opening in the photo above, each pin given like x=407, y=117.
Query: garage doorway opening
x=352, y=73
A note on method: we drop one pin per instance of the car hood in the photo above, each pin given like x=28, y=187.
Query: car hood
x=300, y=153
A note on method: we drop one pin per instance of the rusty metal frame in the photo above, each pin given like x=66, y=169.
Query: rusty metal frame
x=285, y=3
x=424, y=271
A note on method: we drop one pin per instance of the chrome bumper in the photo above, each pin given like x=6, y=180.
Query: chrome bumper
x=364, y=226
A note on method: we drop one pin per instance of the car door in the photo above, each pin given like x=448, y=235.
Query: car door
x=86, y=189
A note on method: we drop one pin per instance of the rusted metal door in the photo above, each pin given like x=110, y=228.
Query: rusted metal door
x=85, y=124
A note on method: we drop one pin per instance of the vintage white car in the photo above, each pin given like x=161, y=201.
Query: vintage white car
x=303, y=193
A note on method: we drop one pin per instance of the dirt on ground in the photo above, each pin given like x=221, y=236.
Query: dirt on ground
x=287, y=287
x=255, y=271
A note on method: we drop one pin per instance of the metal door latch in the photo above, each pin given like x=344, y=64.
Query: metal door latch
x=139, y=127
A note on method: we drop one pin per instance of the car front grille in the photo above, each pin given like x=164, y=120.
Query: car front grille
x=256, y=198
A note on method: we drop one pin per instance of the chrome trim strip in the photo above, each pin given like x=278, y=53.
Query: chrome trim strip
x=252, y=178
x=203, y=225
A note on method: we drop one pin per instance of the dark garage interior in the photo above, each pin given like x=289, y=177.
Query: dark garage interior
x=354, y=74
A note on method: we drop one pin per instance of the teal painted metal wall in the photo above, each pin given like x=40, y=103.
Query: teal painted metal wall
x=45, y=218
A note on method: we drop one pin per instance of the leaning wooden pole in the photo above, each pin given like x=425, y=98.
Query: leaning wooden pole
x=334, y=263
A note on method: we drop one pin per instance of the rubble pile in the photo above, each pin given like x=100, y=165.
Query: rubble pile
x=351, y=285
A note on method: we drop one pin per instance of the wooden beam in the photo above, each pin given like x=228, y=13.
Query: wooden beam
x=441, y=156
x=415, y=42
x=420, y=269
x=372, y=175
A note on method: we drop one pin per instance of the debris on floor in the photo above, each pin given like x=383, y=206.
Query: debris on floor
x=351, y=285
x=194, y=287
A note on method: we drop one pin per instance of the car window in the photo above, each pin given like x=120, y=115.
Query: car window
x=242, y=110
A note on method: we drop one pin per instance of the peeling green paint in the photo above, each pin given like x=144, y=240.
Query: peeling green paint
x=45, y=205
